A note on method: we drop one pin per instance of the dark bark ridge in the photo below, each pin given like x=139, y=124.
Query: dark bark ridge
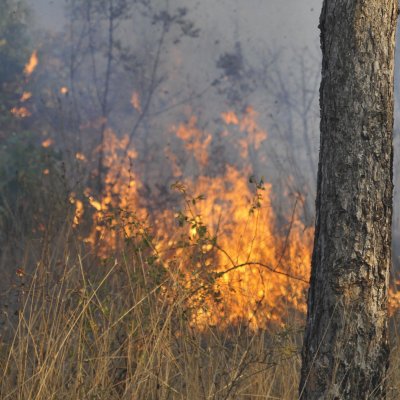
x=345, y=352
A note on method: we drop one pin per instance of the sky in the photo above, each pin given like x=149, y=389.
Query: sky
x=289, y=23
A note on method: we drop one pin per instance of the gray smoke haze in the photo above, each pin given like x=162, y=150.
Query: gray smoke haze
x=287, y=23
x=262, y=27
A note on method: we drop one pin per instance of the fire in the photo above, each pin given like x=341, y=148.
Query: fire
x=78, y=213
x=120, y=193
x=20, y=112
x=262, y=274
x=80, y=156
x=47, y=143
x=135, y=101
x=239, y=265
x=32, y=64
x=394, y=298
x=230, y=117
x=259, y=273
x=196, y=141
x=248, y=124
x=79, y=209
x=25, y=96
x=254, y=136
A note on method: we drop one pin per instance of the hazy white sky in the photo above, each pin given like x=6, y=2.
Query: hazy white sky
x=291, y=23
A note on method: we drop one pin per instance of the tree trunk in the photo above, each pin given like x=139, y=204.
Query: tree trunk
x=345, y=352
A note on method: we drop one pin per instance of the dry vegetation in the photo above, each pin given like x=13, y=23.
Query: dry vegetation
x=109, y=299
x=113, y=285
x=105, y=331
x=116, y=328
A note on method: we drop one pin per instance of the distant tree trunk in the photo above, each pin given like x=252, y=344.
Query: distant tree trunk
x=345, y=352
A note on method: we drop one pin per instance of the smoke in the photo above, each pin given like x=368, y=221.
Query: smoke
x=48, y=14
x=267, y=30
x=282, y=23
x=274, y=45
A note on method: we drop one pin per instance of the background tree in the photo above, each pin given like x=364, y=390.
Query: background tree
x=14, y=52
x=345, y=354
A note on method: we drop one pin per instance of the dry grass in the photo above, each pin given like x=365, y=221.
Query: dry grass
x=90, y=329
x=108, y=330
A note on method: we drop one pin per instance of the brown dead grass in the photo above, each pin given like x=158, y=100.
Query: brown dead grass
x=90, y=329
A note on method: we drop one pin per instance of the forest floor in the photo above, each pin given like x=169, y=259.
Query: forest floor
x=75, y=327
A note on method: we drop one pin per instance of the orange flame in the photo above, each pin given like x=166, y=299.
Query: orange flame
x=245, y=269
x=80, y=156
x=135, y=101
x=20, y=112
x=47, y=143
x=196, y=141
x=263, y=288
x=79, y=210
x=25, y=96
x=230, y=118
x=32, y=64
x=120, y=193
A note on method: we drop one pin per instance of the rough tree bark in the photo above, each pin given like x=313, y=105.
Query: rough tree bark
x=345, y=352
